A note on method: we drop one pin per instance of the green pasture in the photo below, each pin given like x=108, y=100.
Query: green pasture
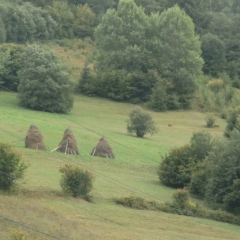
x=40, y=204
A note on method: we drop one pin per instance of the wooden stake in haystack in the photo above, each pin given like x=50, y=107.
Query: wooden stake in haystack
x=68, y=145
x=103, y=149
x=34, y=139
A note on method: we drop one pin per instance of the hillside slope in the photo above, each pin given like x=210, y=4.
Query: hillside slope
x=39, y=203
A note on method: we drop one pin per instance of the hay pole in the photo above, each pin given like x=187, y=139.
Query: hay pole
x=94, y=151
x=74, y=152
x=56, y=148
x=66, y=147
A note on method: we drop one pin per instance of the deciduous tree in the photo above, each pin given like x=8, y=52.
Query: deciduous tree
x=44, y=82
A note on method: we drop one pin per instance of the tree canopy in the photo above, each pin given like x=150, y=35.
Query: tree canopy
x=44, y=82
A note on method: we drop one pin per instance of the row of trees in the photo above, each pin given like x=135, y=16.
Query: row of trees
x=22, y=21
x=208, y=168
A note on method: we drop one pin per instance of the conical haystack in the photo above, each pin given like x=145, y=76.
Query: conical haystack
x=34, y=139
x=103, y=149
x=68, y=143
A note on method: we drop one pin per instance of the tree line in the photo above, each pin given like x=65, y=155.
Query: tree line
x=146, y=51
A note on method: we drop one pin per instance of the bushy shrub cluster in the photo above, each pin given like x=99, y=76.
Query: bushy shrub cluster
x=209, y=169
x=12, y=168
x=181, y=205
x=76, y=182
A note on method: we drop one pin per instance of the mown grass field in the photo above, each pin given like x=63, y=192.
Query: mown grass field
x=39, y=203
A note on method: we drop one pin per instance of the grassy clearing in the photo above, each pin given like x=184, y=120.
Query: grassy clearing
x=40, y=204
x=75, y=54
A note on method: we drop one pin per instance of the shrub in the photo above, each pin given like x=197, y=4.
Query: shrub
x=76, y=182
x=176, y=167
x=12, y=168
x=215, y=85
x=201, y=144
x=181, y=197
x=140, y=123
x=210, y=120
x=132, y=202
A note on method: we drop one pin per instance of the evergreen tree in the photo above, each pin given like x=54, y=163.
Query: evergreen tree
x=44, y=82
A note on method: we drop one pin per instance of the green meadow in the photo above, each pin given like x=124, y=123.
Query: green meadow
x=39, y=204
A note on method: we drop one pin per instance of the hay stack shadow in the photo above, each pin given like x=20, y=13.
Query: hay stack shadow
x=103, y=149
x=34, y=139
x=68, y=145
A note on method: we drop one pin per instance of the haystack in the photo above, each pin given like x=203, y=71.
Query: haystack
x=103, y=149
x=68, y=143
x=34, y=139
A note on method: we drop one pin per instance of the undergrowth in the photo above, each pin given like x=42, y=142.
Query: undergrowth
x=181, y=205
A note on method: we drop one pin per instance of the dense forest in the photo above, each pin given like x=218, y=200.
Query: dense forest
x=145, y=51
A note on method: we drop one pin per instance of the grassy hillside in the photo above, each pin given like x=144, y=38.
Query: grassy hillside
x=39, y=203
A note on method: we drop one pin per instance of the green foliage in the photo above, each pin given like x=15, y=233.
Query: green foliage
x=176, y=167
x=199, y=180
x=12, y=168
x=120, y=50
x=210, y=121
x=128, y=40
x=232, y=124
x=178, y=52
x=2, y=31
x=84, y=21
x=12, y=64
x=158, y=98
x=201, y=144
x=44, y=82
x=132, y=202
x=215, y=85
x=181, y=205
x=198, y=10
x=216, y=96
x=140, y=122
x=76, y=182
x=86, y=82
x=4, y=60
x=118, y=38
x=181, y=198
x=26, y=22
x=73, y=21
x=214, y=55
x=225, y=162
x=232, y=199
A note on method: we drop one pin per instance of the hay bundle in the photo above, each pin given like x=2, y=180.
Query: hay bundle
x=103, y=149
x=34, y=139
x=68, y=143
